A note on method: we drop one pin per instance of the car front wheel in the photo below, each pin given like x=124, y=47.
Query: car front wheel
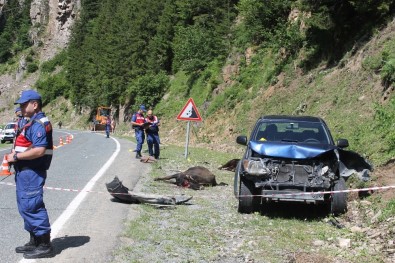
x=248, y=201
x=339, y=200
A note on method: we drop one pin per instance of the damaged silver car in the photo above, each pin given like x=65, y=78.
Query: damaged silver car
x=294, y=158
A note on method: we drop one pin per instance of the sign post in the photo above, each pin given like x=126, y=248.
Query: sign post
x=189, y=113
x=187, y=140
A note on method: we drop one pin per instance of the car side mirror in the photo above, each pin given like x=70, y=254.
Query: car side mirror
x=342, y=143
x=241, y=140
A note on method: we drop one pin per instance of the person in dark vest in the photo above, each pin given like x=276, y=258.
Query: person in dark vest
x=31, y=157
x=18, y=114
x=137, y=122
x=108, y=126
x=153, y=134
x=19, y=119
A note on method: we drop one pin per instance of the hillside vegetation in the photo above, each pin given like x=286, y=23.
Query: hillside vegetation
x=237, y=60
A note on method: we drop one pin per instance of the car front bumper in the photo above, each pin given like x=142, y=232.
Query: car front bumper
x=7, y=137
x=296, y=196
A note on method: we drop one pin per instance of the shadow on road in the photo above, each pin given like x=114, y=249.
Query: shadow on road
x=63, y=243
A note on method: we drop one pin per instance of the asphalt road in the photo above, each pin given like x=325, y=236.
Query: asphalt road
x=86, y=224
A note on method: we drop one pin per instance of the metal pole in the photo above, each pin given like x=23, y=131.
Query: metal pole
x=187, y=140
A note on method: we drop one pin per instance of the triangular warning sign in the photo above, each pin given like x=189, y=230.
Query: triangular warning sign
x=189, y=112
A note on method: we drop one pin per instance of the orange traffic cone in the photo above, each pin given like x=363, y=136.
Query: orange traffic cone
x=60, y=141
x=68, y=139
x=5, y=168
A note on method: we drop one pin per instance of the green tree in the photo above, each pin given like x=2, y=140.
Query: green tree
x=148, y=89
x=14, y=28
x=260, y=20
x=201, y=33
x=335, y=25
x=115, y=48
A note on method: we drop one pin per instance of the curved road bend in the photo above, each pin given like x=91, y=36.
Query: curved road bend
x=86, y=224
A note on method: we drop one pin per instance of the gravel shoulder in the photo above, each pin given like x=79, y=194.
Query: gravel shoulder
x=209, y=229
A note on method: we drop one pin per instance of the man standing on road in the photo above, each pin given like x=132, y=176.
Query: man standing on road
x=138, y=121
x=18, y=114
x=19, y=119
x=153, y=134
x=31, y=156
x=108, y=126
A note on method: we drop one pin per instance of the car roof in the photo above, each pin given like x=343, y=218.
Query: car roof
x=293, y=118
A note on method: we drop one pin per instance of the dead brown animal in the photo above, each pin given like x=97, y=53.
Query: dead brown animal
x=230, y=165
x=195, y=177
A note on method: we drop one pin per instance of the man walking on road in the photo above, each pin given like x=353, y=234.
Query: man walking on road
x=108, y=126
x=31, y=156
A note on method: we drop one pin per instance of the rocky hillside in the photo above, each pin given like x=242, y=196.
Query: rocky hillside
x=52, y=21
x=346, y=96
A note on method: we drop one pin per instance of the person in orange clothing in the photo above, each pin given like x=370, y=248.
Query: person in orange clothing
x=137, y=122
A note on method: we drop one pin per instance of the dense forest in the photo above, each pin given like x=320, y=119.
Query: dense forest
x=126, y=52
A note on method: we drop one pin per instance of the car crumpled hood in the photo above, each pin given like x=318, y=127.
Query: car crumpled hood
x=290, y=150
x=349, y=162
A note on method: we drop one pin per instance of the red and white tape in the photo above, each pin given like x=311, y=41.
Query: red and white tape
x=376, y=188
x=58, y=188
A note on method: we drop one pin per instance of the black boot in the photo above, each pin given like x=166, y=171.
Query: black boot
x=44, y=248
x=29, y=246
x=138, y=155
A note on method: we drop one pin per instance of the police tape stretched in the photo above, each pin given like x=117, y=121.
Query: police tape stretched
x=375, y=188
x=124, y=195
x=57, y=188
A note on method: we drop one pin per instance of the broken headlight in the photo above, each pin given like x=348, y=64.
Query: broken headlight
x=258, y=167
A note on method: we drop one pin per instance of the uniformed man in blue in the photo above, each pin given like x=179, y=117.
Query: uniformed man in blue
x=31, y=156
x=137, y=122
x=152, y=131
x=20, y=120
x=108, y=126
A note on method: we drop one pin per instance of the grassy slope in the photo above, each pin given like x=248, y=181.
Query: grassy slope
x=345, y=96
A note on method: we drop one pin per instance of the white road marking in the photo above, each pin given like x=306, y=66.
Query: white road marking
x=69, y=211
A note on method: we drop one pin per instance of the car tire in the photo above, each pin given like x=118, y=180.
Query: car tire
x=2, y=141
x=248, y=201
x=339, y=200
x=236, y=182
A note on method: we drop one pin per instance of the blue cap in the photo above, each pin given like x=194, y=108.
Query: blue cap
x=142, y=107
x=17, y=109
x=28, y=95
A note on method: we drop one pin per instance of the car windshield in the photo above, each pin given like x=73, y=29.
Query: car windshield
x=292, y=131
x=10, y=126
